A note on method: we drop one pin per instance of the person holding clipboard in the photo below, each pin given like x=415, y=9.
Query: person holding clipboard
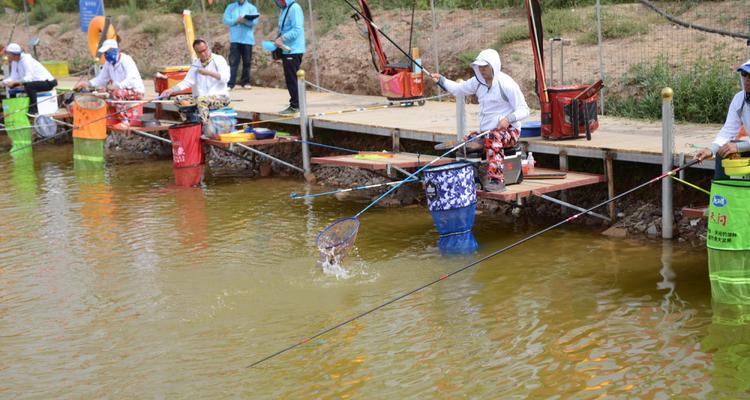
x=240, y=16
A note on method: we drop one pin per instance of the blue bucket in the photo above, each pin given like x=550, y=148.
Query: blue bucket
x=531, y=129
x=452, y=201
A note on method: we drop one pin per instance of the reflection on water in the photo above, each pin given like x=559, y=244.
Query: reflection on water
x=117, y=283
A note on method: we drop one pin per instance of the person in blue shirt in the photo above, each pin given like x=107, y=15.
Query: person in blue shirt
x=290, y=37
x=240, y=16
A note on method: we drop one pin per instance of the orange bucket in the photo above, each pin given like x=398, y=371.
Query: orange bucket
x=89, y=117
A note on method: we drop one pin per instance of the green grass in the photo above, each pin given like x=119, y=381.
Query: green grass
x=510, y=35
x=615, y=27
x=557, y=21
x=702, y=93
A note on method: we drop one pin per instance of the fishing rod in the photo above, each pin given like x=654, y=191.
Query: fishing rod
x=473, y=263
x=295, y=196
x=73, y=127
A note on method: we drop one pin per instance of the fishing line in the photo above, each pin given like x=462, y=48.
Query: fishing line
x=78, y=127
x=473, y=263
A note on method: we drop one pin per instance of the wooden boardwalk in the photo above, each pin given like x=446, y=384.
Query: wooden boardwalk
x=618, y=138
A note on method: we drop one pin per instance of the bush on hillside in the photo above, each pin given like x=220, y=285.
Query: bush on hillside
x=701, y=94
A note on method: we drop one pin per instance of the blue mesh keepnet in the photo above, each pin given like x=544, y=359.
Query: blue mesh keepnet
x=457, y=220
x=457, y=244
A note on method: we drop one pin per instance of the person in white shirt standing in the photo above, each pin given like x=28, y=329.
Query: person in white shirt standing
x=728, y=141
x=120, y=77
x=27, y=72
x=208, y=76
x=501, y=108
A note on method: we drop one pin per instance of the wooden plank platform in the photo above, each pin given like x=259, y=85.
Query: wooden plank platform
x=531, y=187
x=253, y=143
x=401, y=160
x=626, y=140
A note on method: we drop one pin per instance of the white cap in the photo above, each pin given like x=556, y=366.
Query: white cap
x=13, y=48
x=108, y=44
x=480, y=63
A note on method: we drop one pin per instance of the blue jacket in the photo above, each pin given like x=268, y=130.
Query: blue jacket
x=240, y=32
x=293, y=31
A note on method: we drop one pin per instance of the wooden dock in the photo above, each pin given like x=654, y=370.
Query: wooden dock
x=617, y=138
x=536, y=187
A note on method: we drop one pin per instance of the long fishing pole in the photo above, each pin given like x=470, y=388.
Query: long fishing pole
x=295, y=196
x=73, y=127
x=473, y=263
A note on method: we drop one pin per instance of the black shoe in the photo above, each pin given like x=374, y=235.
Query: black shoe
x=289, y=111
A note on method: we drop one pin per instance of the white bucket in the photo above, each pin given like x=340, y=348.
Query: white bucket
x=47, y=102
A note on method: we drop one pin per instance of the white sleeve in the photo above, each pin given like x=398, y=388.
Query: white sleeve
x=732, y=124
x=460, y=89
x=15, y=74
x=223, y=68
x=516, y=100
x=103, y=77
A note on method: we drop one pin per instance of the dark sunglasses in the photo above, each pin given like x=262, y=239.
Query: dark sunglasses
x=744, y=74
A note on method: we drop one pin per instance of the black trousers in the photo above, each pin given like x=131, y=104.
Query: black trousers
x=292, y=62
x=240, y=52
x=32, y=88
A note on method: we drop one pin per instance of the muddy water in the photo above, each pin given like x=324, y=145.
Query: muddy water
x=114, y=283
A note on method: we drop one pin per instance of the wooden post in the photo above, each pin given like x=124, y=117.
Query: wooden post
x=610, y=168
x=564, y=193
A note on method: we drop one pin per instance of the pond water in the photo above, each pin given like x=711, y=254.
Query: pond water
x=116, y=283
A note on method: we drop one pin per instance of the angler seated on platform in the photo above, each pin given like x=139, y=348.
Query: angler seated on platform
x=208, y=76
x=501, y=108
x=731, y=141
x=27, y=72
x=120, y=77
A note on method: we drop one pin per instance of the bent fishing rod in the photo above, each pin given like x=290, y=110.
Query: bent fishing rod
x=472, y=264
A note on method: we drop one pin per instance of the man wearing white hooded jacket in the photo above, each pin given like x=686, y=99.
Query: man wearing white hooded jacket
x=728, y=142
x=501, y=108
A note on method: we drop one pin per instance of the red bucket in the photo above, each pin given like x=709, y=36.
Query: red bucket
x=187, y=150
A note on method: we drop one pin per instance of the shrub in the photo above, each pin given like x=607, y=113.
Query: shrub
x=702, y=93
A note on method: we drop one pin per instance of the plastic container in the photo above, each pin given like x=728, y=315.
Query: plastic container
x=58, y=69
x=236, y=137
x=531, y=129
x=220, y=121
x=47, y=102
x=264, y=133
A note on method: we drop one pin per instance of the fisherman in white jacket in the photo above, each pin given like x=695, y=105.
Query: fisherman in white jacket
x=728, y=141
x=31, y=74
x=501, y=108
x=120, y=77
x=208, y=77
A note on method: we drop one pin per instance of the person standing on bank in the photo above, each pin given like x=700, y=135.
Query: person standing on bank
x=27, y=72
x=240, y=16
x=289, y=37
x=727, y=141
x=501, y=108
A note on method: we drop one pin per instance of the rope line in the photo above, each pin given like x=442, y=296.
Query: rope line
x=690, y=184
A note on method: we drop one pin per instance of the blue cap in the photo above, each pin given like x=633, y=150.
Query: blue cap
x=744, y=67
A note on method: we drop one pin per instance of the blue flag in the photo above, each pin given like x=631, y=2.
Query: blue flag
x=89, y=10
